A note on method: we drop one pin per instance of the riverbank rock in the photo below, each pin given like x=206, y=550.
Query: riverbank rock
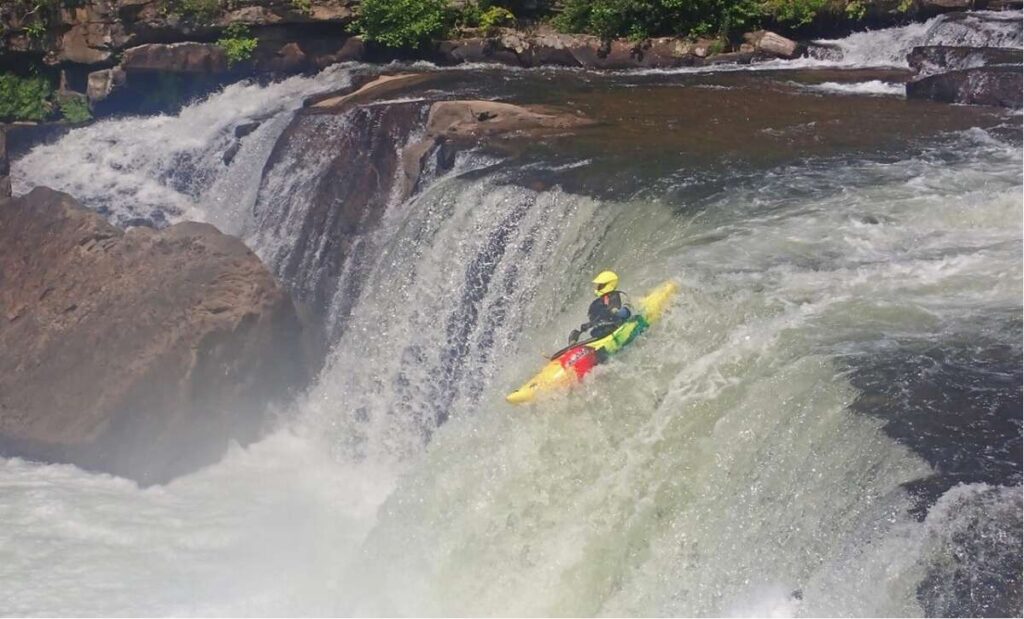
x=100, y=84
x=176, y=58
x=139, y=353
x=548, y=48
x=772, y=44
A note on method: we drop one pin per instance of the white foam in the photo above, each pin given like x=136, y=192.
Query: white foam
x=872, y=87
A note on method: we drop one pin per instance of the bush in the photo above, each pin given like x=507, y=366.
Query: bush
x=496, y=16
x=640, y=19
x=24, y=98
x=238, y=43
x=402, y=23
x=198, y=10
x=74, y=109
x=795, y=12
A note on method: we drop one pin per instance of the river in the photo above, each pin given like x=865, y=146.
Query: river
x=827, y=423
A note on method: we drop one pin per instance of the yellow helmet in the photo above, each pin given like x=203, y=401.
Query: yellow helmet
x=605, y=282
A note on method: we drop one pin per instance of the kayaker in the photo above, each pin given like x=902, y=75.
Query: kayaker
x=607, y=311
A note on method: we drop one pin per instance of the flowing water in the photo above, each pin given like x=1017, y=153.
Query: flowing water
x=826, y=423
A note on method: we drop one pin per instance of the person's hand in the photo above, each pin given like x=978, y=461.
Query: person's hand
x=575, y=335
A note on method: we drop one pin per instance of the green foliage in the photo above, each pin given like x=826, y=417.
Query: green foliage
x=855, y=10
x=795, y=12
x=238, y=43
x=35, y=29
x=303, y=6
x=496, y=16
x=74, y=109
x=639, y=19
x=202, y=11
x=403, y=23
x=24, y=98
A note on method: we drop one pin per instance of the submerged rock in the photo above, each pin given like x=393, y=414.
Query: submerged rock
x=139, y=353
x=476, y=119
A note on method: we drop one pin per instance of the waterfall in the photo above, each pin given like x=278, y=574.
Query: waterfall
x=890, y=46
x=748, y=455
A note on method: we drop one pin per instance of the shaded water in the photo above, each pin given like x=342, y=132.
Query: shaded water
x=826, y=423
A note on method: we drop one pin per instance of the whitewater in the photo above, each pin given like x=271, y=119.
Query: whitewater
x=738, y=460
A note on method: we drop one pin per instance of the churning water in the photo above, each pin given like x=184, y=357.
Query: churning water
x=739, y=460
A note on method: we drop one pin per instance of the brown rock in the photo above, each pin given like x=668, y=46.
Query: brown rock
x=176, y=58
x=381, y=86
x=94, y=33
x=997, y=86
x=140, y=354
x=290, y=58
x=930, y=59
x=772, y=44
x=475, y=119
x=101, y=83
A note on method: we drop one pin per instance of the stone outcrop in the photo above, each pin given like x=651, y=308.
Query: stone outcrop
x=101, y=83
x=932, y=59
x=371, y=154
x=485, y=119
x=176, y=58
x=138, y=353
x=998, y=86
x=516, y=48
x=968, y=75
x=93, y=31
x=772, y=44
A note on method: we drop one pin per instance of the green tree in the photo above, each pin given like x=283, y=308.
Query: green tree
x=403, y=23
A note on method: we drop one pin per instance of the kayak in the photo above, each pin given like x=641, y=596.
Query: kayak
x=570, y=365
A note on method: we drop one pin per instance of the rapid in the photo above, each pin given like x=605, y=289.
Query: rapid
x=826, y=423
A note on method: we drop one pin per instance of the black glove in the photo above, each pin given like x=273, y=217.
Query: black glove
x=575, y=335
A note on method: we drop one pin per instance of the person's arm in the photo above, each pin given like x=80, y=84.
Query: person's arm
x=621, y=310
x=575, y=335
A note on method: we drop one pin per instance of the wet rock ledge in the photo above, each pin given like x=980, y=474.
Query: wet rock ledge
x=968, y=75
x=139, y=353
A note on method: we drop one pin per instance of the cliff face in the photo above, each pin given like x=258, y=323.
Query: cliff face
x=95, y=31
x=139, y=353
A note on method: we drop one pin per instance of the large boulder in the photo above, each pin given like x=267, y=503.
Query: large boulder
x=176, y=58
x=100, y=84
x=996, y=85
x=771, y=44
x=931, y=59
x=139, y=353
x=478, y=119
